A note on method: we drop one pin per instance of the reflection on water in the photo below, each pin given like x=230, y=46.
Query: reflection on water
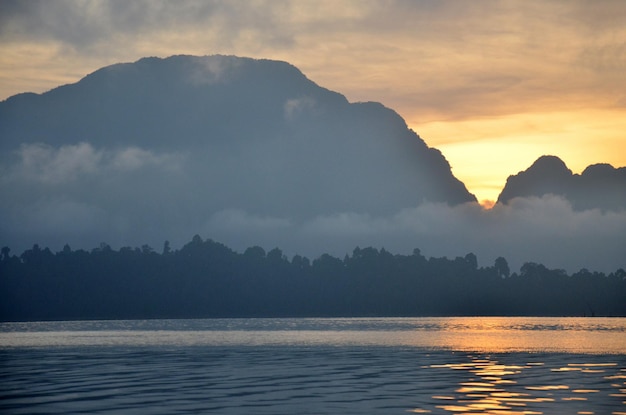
x=471, y=334
x=495, y=388
x=286, y=366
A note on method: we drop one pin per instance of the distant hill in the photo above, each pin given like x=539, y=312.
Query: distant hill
x=166, y=143
x=598, y=186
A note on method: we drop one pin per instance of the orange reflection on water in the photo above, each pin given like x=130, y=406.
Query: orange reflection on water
x=547, y=387
x=473, y=387
x=566, y=369
x=502, y=335
x=504, y=382
x=472, y=409
x=491, y=388
x=496, y=371
x=484, y=394
x=489, y=405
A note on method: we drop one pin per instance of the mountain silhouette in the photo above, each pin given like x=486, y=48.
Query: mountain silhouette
x=161, y=144
x=598, y=186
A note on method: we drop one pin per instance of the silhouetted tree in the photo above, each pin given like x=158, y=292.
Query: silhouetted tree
x=472, y=261
x=5, y=253
x=166, y=248
x=502, y=267
x=208, y=279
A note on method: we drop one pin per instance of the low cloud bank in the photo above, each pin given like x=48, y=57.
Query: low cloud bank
x=544, y=230
x=254, y=153
x=137, y=210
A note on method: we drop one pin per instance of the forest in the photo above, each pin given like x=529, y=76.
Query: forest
x=206, y=279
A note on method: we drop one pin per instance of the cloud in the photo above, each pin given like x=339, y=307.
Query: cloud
x=208, y=72
x=238, y=220
x=293, y=107
x=44, y=163
x=84, y=25
x=134, y=158
x=67, y=163
x=544, y=230
x=44, y=219
x=74, y=218
x=122, y=208
x=128, y=195
x=435, y=47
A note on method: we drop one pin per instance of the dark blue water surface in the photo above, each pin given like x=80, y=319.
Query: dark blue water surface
x=315, y=366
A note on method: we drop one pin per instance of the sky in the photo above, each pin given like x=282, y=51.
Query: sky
x=492, y=84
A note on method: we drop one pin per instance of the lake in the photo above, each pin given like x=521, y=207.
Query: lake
x=463, y=365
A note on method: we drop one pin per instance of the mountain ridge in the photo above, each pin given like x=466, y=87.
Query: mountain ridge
x=599, y=185
x=252, y=152
x=196, y=72
x=188, y=138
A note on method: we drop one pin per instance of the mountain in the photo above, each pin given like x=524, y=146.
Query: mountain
x=138, y=151
x=598, y=186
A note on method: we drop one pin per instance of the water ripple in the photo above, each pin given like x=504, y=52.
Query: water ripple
x=178, y=367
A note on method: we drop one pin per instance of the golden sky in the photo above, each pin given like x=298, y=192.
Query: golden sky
x=492, y=84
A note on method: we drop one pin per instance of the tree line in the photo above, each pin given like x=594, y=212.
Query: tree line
x=207, y=279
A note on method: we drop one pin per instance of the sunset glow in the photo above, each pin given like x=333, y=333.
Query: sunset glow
x=493, y=86
x=484, y=152
x=313, y=206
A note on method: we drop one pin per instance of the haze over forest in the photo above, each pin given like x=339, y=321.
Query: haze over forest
x=251, y=152
x=207, y=279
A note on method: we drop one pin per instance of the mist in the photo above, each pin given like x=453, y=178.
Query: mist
x=251, y=152
x=148, y=198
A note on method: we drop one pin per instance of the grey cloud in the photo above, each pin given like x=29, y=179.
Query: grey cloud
x=72, y=216
x=208, y=72
x=608, y=58
x=417, y=41
x=277, y=24
x=544, y=230
x=293, y=107
x=84, y=25
x=69, y=22
x=45, y=163
x=42, y=219
x=221, y=160
x=238, y=220
x=134, y=158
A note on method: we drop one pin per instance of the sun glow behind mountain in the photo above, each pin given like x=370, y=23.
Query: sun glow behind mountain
x=483, y=152
x=493, y=86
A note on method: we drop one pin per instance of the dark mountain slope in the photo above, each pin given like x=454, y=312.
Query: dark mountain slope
x=598, y=186
x=162, y=145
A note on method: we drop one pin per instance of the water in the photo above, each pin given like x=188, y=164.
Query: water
x=316, y=366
